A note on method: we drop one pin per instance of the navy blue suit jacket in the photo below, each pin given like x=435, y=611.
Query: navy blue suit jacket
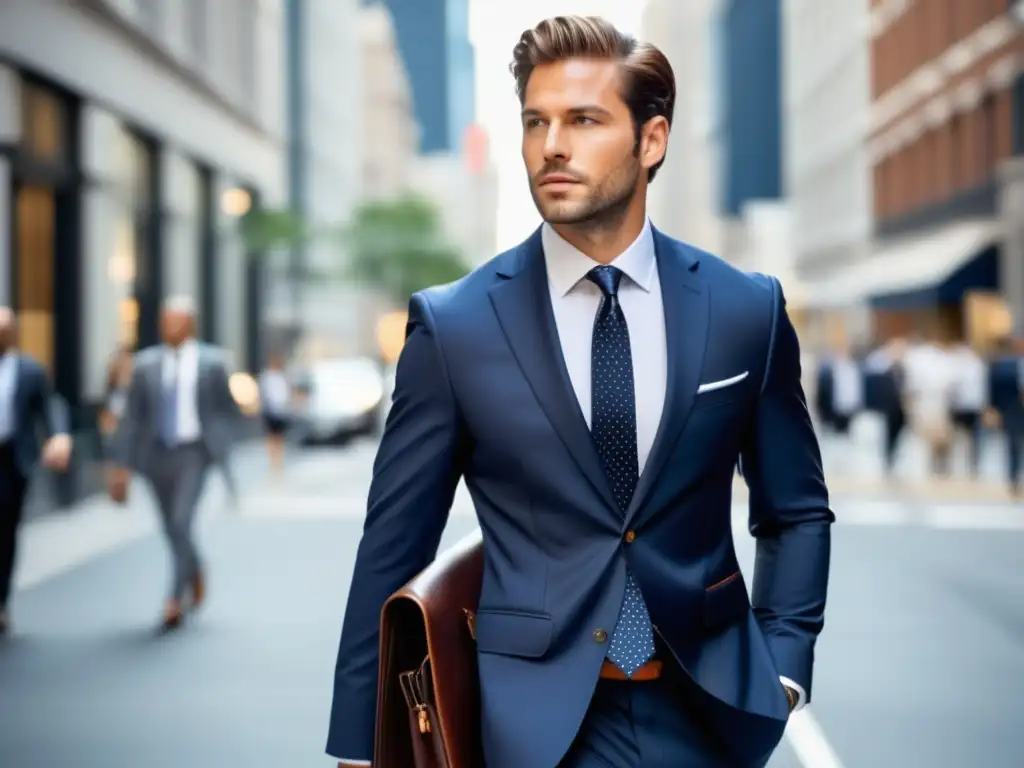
x=482, y=393
x=35, y=406
x=1004, y=387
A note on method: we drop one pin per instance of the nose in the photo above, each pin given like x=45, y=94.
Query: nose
x=556, y=145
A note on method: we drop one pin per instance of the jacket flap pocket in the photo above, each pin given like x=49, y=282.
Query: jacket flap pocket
x=511, y=633
x=725, y=600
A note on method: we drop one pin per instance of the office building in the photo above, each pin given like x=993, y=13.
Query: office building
x=746, y=122
x=827, y=174
x=313, y=303
x=683, y=200
x=133, y=135
x=944, y=133
x=433, y=37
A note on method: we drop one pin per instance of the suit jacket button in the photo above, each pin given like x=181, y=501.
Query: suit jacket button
x=630, y=537
x=600, y=635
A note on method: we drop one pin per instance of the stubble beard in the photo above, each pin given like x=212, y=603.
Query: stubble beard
x=603, y=209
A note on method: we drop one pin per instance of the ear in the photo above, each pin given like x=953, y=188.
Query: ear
x=653, y=141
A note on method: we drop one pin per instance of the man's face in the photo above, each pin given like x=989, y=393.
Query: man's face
x=579, y=144
x=175, y=326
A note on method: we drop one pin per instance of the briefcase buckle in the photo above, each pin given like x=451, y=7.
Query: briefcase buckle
x=414, y=690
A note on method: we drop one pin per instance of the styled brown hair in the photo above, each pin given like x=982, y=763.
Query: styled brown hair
x=648, y=82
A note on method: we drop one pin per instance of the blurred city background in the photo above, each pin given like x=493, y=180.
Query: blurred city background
x=300, y=167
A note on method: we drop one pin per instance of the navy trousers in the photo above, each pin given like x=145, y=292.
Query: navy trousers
x=656, y=724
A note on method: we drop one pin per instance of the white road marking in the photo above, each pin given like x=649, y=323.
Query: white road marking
x=807, y=738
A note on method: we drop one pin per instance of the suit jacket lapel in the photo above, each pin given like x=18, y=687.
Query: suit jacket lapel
x=523, y=305
x=686, y=302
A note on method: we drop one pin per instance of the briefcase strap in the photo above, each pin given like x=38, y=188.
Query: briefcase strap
x=415, y=690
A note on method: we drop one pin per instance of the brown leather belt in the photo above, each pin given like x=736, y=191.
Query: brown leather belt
x=649, y=671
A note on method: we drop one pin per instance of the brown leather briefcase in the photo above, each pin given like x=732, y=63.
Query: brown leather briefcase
x=428, y=702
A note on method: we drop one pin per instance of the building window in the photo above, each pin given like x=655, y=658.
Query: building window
x=43, y=125
x=129, y=266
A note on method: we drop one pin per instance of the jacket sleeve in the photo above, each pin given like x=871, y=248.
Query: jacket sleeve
x=124, y=442
x=48, y=406
x=415, y=474
x=789, y=508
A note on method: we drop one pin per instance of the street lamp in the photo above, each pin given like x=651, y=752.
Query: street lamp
x=235, y=202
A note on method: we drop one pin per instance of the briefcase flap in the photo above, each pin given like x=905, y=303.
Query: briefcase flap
x=432, y=616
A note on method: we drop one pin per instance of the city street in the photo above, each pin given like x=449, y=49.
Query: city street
x=919, y=665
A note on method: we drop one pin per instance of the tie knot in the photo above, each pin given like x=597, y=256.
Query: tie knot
x=606, y=278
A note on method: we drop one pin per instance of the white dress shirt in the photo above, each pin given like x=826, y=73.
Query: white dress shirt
x=185, y=362
x=275, y=393
x=575, y=301
x=970, y=389
x=847, y=386
x=8, y=386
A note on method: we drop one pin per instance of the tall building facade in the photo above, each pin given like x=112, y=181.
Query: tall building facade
x=133, y=136
x=390, y=132
x=433, y=36
x=746, y=52
x=464, y=187
x=325, y=135
x=683, y=200
x=947, y=96
x=827, y=172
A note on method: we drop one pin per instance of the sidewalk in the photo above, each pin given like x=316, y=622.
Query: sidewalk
x=59, y=541
x=854, y=467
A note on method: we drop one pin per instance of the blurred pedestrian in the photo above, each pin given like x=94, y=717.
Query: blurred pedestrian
x=1006, y=396
x=26, y=403
x=930, y=385
x=275, y=407
x=885, y=376
x=179, y=419
x=119, y=379
x=969, y=400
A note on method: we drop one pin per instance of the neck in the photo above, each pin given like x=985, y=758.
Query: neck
x=605, y=240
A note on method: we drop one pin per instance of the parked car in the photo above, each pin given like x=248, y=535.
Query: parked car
x=340, y=399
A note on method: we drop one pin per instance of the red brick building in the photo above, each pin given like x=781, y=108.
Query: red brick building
x=945, y=122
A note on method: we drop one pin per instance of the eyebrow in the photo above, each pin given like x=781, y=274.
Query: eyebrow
x=582, y=109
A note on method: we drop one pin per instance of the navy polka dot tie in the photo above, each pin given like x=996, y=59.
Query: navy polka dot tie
x=613, y=426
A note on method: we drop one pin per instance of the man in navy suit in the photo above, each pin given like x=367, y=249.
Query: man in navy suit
x=26, y=403
x=595, y=387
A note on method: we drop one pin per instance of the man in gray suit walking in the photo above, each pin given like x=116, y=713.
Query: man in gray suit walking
x=179, y=420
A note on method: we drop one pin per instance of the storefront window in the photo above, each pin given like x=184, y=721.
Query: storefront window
x=36, y=228
x=126, y=262
x=37, y=216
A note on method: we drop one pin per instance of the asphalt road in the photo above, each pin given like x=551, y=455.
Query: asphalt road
x=920, y=665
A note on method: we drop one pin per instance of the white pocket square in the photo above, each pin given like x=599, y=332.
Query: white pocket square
x=711, y=386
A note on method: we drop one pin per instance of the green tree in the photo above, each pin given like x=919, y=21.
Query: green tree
x=394, y=246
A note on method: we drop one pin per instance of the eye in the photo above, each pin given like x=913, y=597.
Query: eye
x=533, y=122
x=584, y=120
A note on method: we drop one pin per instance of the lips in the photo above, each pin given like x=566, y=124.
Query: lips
x=557, y=178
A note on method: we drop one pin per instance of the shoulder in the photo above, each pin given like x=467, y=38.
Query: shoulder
x=732, y=289
x=463, y=297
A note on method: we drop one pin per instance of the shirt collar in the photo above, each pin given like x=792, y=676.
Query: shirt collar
x=186, y=346
x=567, y=265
